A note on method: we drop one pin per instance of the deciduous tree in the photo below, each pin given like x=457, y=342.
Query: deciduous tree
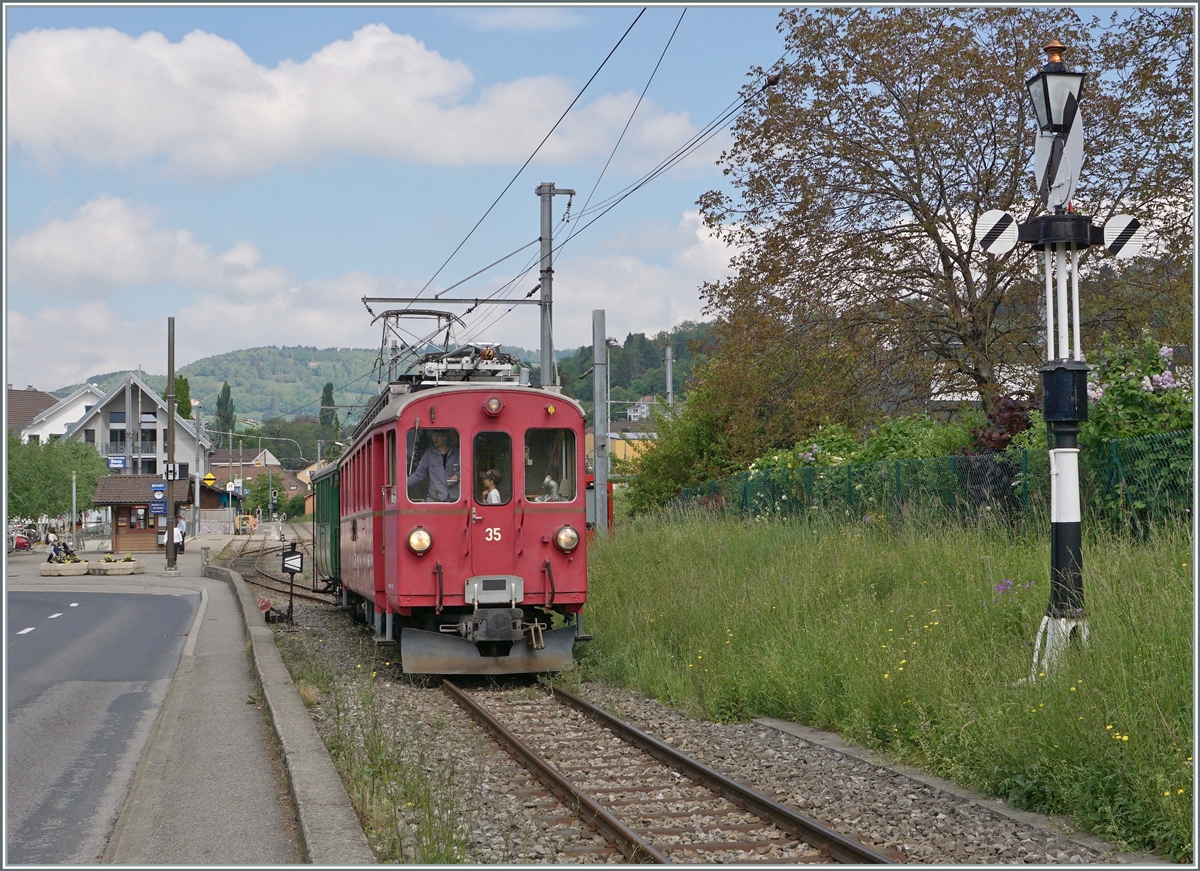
x=861, y=172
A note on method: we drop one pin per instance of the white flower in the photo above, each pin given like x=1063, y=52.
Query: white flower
x=1147, y=385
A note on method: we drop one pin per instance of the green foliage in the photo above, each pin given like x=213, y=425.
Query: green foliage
x=259, y=494
x=911, y=437
x=1134, y=391
x=183, y=397
x=39, y=476
x=226, y=422
x=293, y=506
x=914, y=641
x=637, y=368
x=329, y=415
x=691, y=448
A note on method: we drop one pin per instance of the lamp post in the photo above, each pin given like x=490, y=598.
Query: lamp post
x=1060, y=236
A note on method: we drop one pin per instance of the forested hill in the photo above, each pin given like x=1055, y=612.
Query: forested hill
x=638, y=366
x=273, y=382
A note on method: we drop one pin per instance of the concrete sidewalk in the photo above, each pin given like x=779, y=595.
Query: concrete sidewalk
x=234, y=772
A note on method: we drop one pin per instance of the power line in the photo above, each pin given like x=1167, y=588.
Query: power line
x=534, y=154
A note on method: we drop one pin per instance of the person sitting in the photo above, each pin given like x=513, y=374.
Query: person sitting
x=439, y=466
x=491, y=483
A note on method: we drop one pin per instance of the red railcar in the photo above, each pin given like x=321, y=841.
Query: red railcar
x=462, y=519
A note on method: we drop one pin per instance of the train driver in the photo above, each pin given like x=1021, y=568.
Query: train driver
x=440, y=466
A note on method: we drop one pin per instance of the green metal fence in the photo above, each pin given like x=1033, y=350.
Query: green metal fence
x=1132, y=480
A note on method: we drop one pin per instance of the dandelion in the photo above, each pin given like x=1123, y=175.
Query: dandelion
x=1072, y=689
x=1108, y=727
x=886, y=675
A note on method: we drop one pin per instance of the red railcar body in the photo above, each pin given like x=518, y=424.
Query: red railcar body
x=463, y=524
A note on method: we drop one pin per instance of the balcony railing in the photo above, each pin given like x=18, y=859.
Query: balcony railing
x=140, y=449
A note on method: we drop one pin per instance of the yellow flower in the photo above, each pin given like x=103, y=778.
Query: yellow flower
x=1108, y=727
x=886, y=675
x=359, y=665
x=1124, y=737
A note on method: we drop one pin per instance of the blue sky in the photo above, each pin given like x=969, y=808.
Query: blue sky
x=256, y=171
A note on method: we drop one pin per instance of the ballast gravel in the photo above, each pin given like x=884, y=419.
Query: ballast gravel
x=504, y=817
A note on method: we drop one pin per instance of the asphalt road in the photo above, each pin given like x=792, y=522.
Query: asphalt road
x=87, y=675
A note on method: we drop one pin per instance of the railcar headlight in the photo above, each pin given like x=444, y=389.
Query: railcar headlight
x=493, y=406
x=419, y=540
x=567, y=539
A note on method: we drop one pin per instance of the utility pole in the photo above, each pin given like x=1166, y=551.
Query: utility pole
x=199, y=468
x=600, y=416
x=128, y=470
x=670, y=377
x=170, y=537
x=74, y=517
x=547, y=190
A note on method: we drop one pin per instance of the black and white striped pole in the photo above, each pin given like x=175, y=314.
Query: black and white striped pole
x=1060, y=236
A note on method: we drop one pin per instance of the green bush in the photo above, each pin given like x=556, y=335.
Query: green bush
x=1134, y=391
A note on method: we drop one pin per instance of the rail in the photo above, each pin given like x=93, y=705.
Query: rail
x=811, y=840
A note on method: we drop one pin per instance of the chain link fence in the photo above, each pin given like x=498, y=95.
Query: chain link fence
x=1138, y=481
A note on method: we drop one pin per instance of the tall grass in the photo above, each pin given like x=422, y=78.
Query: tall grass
x=915, y=642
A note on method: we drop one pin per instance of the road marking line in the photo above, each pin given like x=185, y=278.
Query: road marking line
x=23, y=631
x=74, y=604
x=52, y=616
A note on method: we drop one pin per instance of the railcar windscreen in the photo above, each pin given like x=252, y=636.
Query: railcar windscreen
x=492, y=462
x=550, y=465
x=433, y=465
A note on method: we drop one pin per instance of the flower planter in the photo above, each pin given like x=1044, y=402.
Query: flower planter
x=121, y=567
x=62, y=569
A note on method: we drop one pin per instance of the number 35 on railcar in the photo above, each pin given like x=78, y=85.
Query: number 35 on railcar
x=456, y=519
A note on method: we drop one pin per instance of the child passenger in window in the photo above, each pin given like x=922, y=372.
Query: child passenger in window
x=491, y=480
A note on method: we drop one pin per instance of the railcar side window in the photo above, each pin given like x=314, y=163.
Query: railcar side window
x=550, y=465
x=432, y=466
x=493, y=468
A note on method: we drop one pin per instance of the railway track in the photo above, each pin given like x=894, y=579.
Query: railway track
x=251, y=563
x=650, y=801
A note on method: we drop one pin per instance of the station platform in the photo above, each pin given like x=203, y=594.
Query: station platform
x=233, y=772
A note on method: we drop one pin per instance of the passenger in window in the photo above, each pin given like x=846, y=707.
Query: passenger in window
x=439, y=465
x=491, y=484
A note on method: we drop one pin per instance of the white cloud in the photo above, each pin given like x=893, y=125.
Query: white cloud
x=202, y=107
x=92, y=337
x=519, y=19
x=110, y=245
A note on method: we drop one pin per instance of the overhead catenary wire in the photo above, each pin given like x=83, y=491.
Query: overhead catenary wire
x=693, y=143
x=529, y=159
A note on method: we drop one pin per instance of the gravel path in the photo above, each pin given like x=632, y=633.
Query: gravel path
x=502, y=817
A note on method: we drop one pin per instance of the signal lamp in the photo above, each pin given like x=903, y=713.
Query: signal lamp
x=493, y=406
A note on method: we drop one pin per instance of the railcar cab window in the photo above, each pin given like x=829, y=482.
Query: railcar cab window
x=432, y=465
x=550, y=465
x=492, y=462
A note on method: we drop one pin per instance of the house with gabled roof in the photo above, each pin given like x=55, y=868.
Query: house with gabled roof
x=57, y=420
x=129, y=428
x=21, y=406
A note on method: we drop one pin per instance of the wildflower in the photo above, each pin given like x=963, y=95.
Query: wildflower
x=886, y=675
x=1072, y=689
x=1108, y=727
x=359, y=665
